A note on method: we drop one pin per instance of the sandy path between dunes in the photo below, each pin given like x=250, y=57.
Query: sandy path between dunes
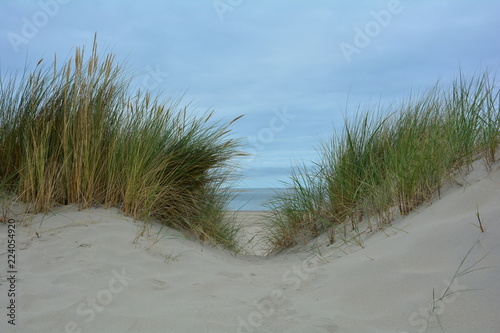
x=86, y=271
x=251, y=239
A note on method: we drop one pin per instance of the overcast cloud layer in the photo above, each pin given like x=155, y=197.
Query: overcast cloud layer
x=294, y=68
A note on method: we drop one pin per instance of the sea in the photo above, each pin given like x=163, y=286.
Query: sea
x=253, y=199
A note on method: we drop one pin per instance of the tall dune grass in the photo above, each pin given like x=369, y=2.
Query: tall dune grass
x=390, y=162
x=75, y=135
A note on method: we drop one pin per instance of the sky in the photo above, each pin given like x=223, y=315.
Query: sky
x=295, y=69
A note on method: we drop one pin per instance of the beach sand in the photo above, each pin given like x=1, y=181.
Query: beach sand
x=98, y=271
x=251, y=240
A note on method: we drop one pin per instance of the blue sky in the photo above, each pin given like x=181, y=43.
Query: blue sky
x=296, y=69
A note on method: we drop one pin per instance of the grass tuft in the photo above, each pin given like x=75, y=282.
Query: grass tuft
x=75, y=135
x=389, y=162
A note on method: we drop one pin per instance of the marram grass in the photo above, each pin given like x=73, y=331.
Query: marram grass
x=75, y=135
x=389, y=162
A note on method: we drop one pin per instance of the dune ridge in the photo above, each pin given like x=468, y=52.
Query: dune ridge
x=96, y=270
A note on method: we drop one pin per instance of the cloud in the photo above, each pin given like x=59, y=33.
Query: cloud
x=270, y=55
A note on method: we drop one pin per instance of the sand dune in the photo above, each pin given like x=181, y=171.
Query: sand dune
x=92, y=271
